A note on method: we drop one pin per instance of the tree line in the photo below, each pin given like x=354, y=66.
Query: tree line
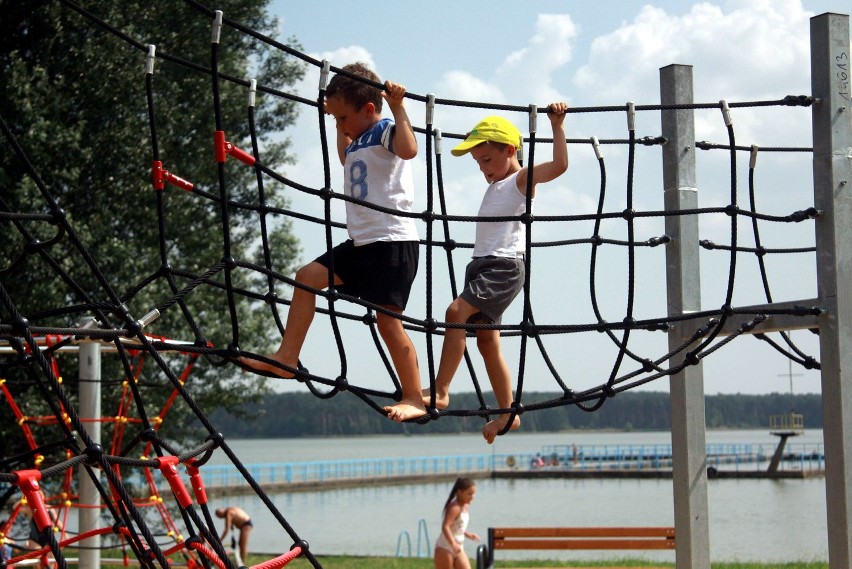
x=75, y=98
x=302, y=414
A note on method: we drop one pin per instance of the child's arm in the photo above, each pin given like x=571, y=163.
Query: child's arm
x=547, y=171
x=227, y=526
x=342, y=140
x=404, y=142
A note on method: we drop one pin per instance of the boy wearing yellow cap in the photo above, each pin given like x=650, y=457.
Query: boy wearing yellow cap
x=495, y=276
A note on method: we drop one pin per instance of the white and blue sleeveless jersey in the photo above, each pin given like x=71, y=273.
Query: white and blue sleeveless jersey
x=372, y=172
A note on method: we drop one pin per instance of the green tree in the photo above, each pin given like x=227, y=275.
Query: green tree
x=73, y=93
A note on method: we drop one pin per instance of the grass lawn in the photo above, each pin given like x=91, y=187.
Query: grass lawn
x=355, y=562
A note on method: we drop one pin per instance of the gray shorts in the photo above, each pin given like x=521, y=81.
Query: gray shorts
x=491, y=284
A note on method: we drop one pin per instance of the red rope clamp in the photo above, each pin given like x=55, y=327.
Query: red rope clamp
x=197, y=483
x=159, y=176
x=28, y=483
x=223, y=148
x=168, y=468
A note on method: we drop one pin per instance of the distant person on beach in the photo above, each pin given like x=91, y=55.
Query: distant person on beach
x=239, y=520
x=449, y=547
x=36, y=539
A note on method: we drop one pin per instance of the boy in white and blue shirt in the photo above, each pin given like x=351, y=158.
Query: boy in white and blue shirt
x=378, y=262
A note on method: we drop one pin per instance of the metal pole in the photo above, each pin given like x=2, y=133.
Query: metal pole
x=689, y=453
x=832, y=133
x=90, y=407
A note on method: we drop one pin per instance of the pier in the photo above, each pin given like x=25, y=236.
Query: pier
x=561, y=461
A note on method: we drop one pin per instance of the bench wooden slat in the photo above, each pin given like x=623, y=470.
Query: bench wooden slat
x=581, y=543
x=615, y=531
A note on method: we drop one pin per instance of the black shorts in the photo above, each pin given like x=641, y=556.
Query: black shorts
x=36, y=535
x=491, y=284
x=381, y=272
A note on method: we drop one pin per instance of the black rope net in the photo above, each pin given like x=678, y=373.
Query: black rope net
x=113, y=324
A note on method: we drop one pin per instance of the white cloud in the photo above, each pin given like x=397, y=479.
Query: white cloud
x=526, y=74
x=462, y=85
x=748, y=49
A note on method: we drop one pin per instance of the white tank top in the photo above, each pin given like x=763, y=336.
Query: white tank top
x=503, y=238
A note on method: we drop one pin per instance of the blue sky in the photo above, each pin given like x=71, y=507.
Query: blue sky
x=588, y=54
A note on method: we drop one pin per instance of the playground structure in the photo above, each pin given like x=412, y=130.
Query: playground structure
x=829, y=313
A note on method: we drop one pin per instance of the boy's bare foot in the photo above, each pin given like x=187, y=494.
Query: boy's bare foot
x=491, y=428
x=264, y=368
x=442, y=401
x=405, y=410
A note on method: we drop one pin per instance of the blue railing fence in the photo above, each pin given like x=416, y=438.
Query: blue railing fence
x=808, y=457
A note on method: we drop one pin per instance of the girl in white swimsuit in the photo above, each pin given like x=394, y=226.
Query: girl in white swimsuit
x=449, y=547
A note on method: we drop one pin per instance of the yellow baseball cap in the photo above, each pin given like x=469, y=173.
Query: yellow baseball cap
x=490, y=129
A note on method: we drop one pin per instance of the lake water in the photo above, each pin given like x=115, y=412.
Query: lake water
x=750, y=520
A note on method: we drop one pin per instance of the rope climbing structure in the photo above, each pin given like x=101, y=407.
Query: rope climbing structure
x=691, y=331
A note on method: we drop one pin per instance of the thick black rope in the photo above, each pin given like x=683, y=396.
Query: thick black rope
x=15, y=326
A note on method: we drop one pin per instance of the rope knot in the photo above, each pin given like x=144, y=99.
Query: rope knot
x=133, y=327
x=341, y=383
x=19, y=325
x=93, y=452
x=57, y=216
x=148, y=435
x=32, y=247
x=217, y=438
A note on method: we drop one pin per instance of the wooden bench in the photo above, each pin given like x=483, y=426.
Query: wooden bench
x=573, y=538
